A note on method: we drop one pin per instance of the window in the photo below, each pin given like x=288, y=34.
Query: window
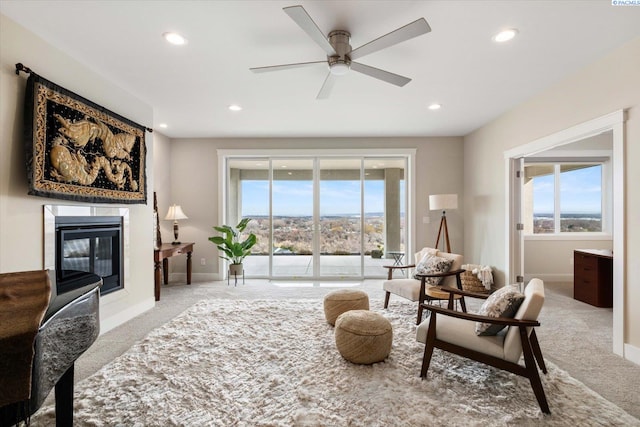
x=563, y=198
x=319, y=216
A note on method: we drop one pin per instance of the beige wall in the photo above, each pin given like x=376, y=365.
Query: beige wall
x=608, y=85
x=162, y=184
x=21, y=216
x=194, y=184
x=552, y=260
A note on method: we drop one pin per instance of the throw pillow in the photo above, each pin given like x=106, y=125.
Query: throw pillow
x=431, y=264
x=502, y=303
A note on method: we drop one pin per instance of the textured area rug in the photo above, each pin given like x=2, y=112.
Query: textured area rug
x=274, y=363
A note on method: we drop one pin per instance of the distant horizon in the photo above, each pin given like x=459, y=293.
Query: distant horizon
x=564, y=214
x=295, y=198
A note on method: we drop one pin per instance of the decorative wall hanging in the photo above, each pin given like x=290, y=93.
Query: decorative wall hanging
x=78, y=150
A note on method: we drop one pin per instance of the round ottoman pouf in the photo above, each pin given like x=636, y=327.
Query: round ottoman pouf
x=363, y=337
x=337, y=302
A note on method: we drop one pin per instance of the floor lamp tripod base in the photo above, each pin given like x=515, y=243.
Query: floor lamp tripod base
x=444, y=232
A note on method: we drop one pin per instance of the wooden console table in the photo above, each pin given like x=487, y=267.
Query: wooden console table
x=161, y=262
x=593, y=276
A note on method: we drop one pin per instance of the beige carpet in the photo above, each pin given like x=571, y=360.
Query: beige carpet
x=267, y=362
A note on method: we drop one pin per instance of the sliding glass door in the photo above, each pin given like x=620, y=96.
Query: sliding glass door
x=319, y=217
x=340, y=217
x=293, y=224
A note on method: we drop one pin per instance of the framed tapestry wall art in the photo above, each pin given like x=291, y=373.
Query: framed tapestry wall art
x=78, y=150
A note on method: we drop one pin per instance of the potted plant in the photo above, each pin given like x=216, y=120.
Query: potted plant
x=234, y=249
x=377, y=253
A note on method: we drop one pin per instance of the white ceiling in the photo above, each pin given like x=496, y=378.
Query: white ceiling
x=457, y=64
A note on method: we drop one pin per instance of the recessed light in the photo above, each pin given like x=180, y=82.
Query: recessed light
x=235, y=107
x=163, y=125
x=174, y=38
x=505, y=35
x=435, y=106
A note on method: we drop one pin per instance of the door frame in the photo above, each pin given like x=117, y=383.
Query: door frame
x=611, y=122
x=408, y=153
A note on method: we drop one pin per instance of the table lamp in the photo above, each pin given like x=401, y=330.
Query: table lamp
x=175, y=213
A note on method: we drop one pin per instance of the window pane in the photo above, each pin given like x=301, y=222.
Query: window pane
x=249, y=198
x=580, y=198
x=340, y=217
x=293, y=226
x=543, y=198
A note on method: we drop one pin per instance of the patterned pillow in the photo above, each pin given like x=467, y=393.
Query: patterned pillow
x=502, y=303
x=431, y=264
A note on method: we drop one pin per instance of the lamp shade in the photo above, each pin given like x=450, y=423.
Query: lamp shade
x=175, y=213
x=443, y=202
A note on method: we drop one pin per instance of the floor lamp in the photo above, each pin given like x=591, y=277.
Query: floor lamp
x=442, y=202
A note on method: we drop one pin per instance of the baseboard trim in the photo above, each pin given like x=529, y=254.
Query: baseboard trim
x=549, y=277
x=124, y=316
x=632, y=353
x=195, y=277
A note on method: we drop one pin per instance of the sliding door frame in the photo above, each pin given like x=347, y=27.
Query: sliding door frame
x=408, y=154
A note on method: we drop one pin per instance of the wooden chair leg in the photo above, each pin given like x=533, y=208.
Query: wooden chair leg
x=463, y=305
x=386, y=299
x=420, y=309
x=535, y=346
x=532, y=371
x=428, y=346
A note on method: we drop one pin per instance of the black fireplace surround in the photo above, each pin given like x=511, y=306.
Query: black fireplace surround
x=88, y=244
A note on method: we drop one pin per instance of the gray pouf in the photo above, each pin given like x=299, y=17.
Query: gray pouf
x=342, y=300
x=363, y=337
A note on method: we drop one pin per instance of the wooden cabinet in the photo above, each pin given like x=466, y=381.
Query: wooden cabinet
x=593, y=276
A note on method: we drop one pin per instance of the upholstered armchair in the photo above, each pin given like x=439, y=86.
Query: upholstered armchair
x=419, y=289
x=458, y=333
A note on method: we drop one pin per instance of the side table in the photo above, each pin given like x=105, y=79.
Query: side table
x=397, y=258
x=161, y=262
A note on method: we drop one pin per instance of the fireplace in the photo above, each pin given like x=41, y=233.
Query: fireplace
x=91, y=244
x=86, y=239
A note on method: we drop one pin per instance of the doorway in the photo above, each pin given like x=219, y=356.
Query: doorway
x=318, y=217
x=613, y=123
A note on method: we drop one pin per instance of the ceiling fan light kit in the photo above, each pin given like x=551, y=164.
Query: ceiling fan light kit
x=340, y=55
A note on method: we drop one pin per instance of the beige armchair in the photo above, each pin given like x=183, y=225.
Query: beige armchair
x=418, y=289
x=456, y=333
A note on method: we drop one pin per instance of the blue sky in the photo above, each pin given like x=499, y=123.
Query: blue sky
x=580, y=191
x=295, y=198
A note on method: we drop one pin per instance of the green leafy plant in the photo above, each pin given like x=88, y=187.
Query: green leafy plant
x=234, y=249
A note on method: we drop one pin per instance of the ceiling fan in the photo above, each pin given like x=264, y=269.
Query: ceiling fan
x=340, y=56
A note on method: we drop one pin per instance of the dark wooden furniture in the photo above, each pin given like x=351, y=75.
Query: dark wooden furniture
x=428, y=293
x=161, y=261
x=593, y=276
x=523, y=327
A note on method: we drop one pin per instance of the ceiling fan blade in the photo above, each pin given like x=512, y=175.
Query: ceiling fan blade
x=304, y=21
x=285, y=66
x=405, y=33
x=394, y=79
x=327, y=86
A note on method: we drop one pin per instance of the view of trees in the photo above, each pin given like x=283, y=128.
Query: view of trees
x=340, y=235
x=573, y=223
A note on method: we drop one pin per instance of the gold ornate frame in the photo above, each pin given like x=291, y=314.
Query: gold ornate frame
x=78, y=150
